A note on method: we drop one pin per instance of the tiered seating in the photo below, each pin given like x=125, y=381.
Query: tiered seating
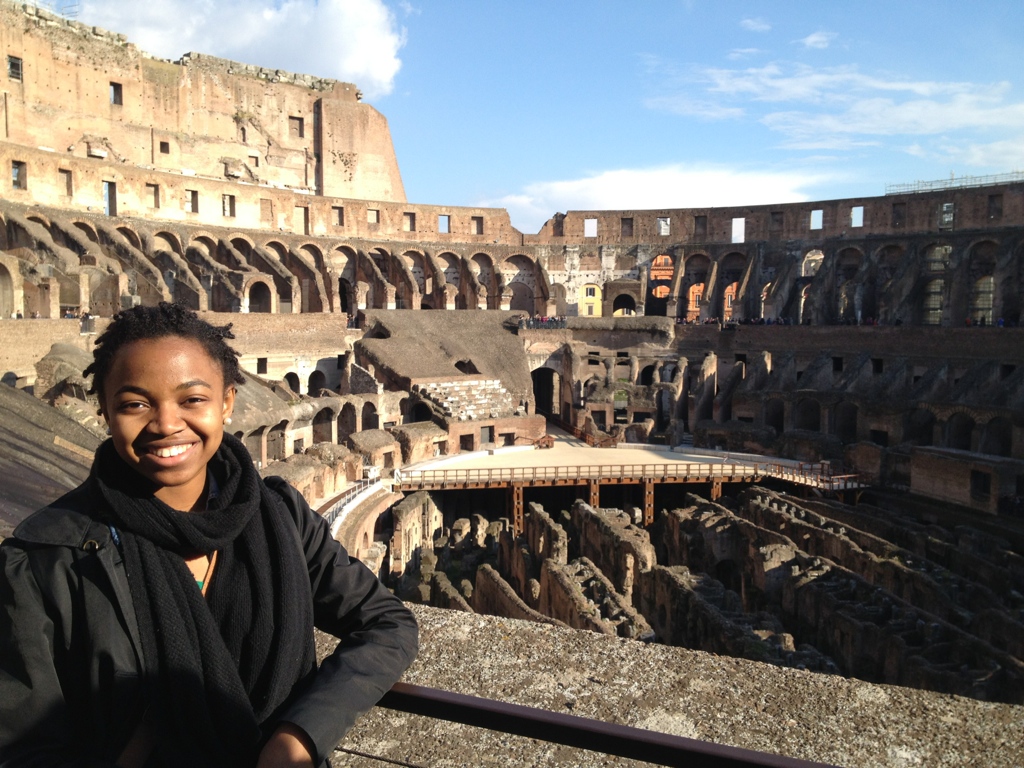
x=471, y=399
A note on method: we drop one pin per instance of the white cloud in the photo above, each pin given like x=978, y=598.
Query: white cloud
x=818, y=40
x=755, y=25
x=999, y=156
x=886, y=117
x=842, y=108
x=799, y=82
x=683, y=105
x=670, y=186
x=742, y=53
x=352, y=40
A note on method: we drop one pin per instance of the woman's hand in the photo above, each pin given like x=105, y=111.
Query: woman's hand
x=288, y=747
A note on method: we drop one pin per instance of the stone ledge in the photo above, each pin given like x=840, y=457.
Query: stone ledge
x=746, y=704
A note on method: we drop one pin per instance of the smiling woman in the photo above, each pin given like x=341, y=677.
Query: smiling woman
x=162, y=613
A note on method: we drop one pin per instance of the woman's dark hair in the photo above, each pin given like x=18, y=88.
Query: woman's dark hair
x=141, y=323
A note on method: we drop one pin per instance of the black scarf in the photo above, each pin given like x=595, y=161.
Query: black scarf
x=218, y=668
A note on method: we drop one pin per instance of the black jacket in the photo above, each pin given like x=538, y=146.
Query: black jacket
x=70, y=655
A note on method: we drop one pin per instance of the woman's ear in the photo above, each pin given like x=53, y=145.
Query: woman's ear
x=229, y=403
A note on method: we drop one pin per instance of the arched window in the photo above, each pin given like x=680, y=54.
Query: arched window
x=931, y=304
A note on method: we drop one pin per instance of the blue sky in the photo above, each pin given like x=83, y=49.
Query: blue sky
x=541, y=107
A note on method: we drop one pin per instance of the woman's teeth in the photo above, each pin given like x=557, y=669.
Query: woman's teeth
x=175, y=450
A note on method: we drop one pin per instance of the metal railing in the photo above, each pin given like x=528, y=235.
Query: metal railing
x=334, y=508
x=954, y=183
x=580, y=732
x=815, y=475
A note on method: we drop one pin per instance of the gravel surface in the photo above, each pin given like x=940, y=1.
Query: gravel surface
x=824, y=718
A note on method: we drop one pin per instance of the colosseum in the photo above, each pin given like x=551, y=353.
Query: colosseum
x=751, y=476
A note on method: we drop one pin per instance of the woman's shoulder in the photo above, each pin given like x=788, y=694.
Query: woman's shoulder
x=67, y=522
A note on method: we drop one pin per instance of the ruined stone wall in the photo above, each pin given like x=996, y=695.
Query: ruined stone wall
x=868, y=631
x=973, y=481
x=788, y=221
x=581, y=596
x=610, y=540
x=92, y=94
x=547, y=540
x=959, y=601
x=695, y=611
x=494, y=596
x=417, y=520
x=985, y=559
x=444, y=595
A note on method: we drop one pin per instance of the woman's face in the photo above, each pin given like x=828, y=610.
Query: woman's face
x=165, y=402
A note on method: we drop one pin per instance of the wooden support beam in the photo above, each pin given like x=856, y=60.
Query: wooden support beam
x=595, y=493
x=716, y=490
x=515, y=494
x=648, y=503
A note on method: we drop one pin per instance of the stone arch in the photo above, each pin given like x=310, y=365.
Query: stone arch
x=732, y=268
x=39, y=219
x=845, y=415
x=997, y=437
x=260, y=296
x=87, y=229
x=208, y=242
x=419, y=412
x=522, y=298
x=292, y=380
x=807, y=415
x=416, y=264
x=483, y=267
x=982, y=305
x=919, y=427
x=276, y=442
x=646, y=377
x=315, y=255
x=323, y=423
x=933, y=301
x=347, y=421
x=519, y=270
x=370, y=418
x=254, y=444
x=960, y=431
x=449, y=264
x=936, y=257
x=316, y=382
x=344, y=260
x=381, y=259
x=546, y=396
x=849, y=298
x=7, y=303
x=244, y=246
x=131, y=236
x=775, y=415
x=167, y=241
x=624, y=305
x=811, y=262
x=695, y=277
x=877, y=302
x=304, y=275
x=659, y=285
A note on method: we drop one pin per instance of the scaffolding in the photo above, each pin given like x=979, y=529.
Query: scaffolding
x=66, y=8
x=954, y=182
